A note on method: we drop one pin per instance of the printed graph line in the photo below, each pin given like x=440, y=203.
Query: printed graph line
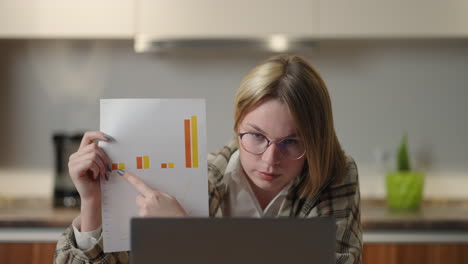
x=187, y=188
x=124, y=236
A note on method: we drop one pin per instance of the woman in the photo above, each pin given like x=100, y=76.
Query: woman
x=285, y=161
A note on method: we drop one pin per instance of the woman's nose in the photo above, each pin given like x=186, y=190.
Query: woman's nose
x=272, y=154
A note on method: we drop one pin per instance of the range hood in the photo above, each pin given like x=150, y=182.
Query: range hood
x=273, y=25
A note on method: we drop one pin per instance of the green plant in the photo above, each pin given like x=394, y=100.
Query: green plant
x=404, y=186
x=403, y=157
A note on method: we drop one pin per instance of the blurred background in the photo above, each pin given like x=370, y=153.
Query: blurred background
x=392, y=68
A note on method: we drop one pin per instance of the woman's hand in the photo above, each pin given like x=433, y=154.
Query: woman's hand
x=151, y=202
x=89, y=164
x=86, y=167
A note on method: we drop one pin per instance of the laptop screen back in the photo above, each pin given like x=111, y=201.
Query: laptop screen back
x=233, y=240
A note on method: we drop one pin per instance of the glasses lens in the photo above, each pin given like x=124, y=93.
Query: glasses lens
x=254, y=143
x=291, y=148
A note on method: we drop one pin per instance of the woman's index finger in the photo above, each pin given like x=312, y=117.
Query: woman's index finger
x=138, y=183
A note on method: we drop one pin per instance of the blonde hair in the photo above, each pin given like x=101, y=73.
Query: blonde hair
x=294, y=82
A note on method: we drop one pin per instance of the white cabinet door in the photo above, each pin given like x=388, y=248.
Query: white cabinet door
x=66, y=19
x=196, y=19
x=393, y=18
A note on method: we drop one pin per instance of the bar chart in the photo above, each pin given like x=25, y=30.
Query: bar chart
x=191, y=150
x=162, y=142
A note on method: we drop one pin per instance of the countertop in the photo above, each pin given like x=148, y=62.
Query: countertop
x=444, y=215
x=433, y=215
x=437, y=221
x=34, y=213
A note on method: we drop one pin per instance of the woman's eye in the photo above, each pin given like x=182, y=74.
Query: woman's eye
x=290, y=141
x=257, y=135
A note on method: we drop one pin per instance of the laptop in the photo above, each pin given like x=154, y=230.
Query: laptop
x=233, y=240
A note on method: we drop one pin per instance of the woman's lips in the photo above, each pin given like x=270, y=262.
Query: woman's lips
x=268, y=176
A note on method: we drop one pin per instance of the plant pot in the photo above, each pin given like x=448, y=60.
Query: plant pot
x=404, y=190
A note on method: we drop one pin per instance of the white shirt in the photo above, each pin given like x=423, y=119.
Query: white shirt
x=241, y=202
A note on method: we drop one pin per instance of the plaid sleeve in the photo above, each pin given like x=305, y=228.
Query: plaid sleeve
x=349, y=230
x=342, y=201
x=217, y=163
x=67, y=252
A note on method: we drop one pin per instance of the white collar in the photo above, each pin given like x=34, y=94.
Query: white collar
x=242, y=200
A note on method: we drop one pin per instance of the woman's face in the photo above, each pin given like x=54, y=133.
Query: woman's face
x=268, y=171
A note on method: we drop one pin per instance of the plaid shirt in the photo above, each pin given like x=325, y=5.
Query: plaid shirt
x=341, y=200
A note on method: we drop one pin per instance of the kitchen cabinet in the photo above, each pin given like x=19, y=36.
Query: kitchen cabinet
x=427, y=253
x=66, y=19
x=393, y=18
x=244, y=19
x=315, y=19
x=383, y=253
x=214, y=19
x=27, y=253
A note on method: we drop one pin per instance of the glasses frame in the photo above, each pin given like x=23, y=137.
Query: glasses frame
x=269, y=142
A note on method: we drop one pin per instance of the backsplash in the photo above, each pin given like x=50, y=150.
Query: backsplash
x=379, y=89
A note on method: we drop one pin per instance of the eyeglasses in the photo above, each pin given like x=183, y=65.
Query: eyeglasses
x=256, y=143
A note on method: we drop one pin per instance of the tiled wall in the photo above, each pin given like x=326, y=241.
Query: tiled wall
x=380, y=90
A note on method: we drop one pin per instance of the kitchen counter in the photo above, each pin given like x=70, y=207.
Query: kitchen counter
x=433, y=215
x=437, y=221
x=32, y=213
x=33, y=220
x=440, y=221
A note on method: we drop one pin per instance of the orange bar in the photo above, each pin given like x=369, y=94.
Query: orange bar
x=115, y=166
x=163, y=165
x=188, y=148
x=139, y=163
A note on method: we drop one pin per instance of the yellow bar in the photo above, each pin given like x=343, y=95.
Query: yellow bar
x=194, y=142
x=171, y=165
x=121, y=166
x=146, y=162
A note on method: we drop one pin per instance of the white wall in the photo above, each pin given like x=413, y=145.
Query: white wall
x=380, y=89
